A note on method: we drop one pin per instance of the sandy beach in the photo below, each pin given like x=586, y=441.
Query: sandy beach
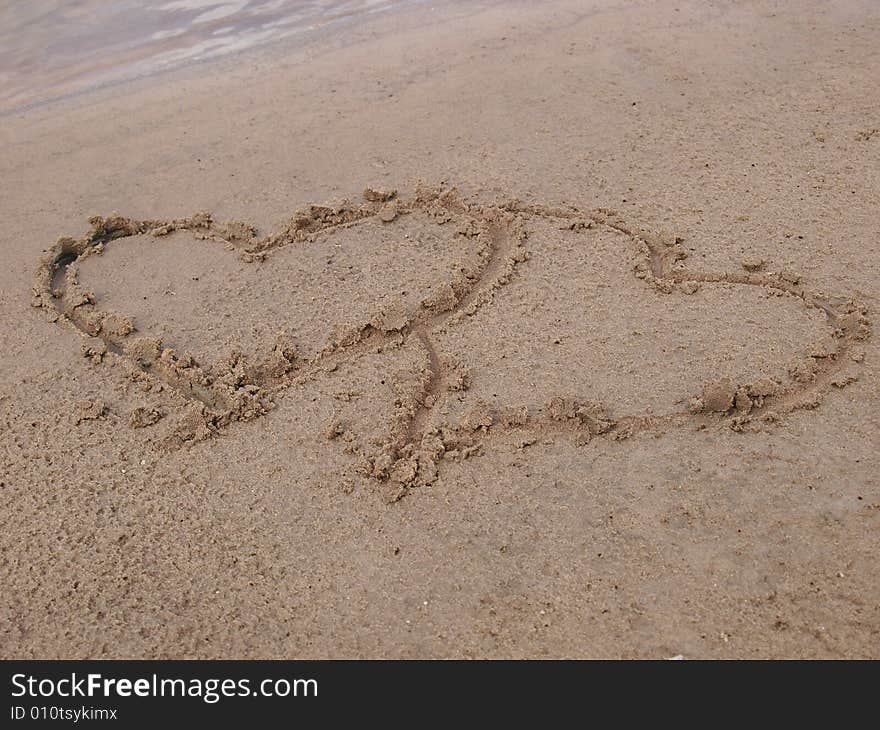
x=451, y=330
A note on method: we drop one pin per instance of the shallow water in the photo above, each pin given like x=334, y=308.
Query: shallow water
x=55, y=48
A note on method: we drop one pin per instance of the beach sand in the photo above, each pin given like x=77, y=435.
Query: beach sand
x=453, y=330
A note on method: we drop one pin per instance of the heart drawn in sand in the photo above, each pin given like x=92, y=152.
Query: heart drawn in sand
x=245, y=385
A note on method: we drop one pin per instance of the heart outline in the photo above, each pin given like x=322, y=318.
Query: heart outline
x=410, y=454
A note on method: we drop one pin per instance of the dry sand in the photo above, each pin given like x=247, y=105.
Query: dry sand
x=473, y=330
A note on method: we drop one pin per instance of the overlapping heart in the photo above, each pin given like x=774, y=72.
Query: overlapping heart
x=244, y=386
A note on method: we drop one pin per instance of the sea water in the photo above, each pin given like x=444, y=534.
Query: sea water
x=50, y=49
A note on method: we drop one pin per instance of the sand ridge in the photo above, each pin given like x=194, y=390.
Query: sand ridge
x=245, y=385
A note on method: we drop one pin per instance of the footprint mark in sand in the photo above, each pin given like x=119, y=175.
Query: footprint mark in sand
x=410, y=455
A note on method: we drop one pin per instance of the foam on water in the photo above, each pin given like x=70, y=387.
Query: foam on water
x=55, y=48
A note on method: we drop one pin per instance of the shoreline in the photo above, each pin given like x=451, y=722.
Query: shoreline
x=299, y=40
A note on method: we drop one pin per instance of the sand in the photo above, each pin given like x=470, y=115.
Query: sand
x=465, y=330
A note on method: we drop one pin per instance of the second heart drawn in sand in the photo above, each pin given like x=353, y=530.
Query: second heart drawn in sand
x=245, y=386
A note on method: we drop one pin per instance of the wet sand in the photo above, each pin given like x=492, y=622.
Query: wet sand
x=465, y=330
